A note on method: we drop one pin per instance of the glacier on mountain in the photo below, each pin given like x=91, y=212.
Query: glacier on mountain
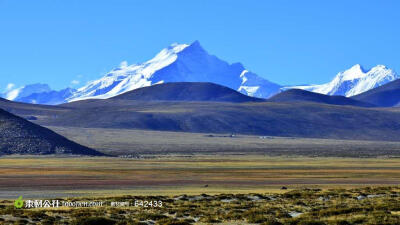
x=49, y=97
x=177, y=63
x=191, y=63
x=353, y=81
x=14, y=94
x=37, y=94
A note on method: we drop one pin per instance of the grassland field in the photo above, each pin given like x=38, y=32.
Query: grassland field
x=204, y=189
x=208, y=179
x=172, y=175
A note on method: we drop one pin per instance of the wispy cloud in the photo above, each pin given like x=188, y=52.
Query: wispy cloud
x=75, y=82
x=10, y=86
x=123, y=64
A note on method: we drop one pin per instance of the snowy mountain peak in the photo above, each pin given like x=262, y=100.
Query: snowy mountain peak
x=354, y=81
x=176, y=63
x=36, y=94
x=354, y=72
x=128, y=77
x=196, y=43
x=381, y=68
x=169, y=52
x=14, y=93
x=357, y=67
x=195, y=46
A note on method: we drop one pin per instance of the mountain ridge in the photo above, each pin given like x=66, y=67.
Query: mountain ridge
x=186, y=91
x=177, y=63
x=192, y=63
x=299, y=95
x=285, y=119
x=387, y=95
x=353, y=81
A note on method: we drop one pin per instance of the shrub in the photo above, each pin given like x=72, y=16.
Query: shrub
x=255, y=216
x=210, y=219
x=48, y=221
x=234, y=215
x=21, y=222
x=271, y=221
x=342, y=222
x=94, y=221
x=311, y=222
x=170, y=221
x=150, y=216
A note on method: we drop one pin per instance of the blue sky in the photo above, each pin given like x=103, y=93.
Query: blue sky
x=287, y=42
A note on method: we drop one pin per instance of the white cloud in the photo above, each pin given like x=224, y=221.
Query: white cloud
x=10, y=86
x=75, y=82
x=123, y=64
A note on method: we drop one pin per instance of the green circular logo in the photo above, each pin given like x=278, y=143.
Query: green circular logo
x=19, y=202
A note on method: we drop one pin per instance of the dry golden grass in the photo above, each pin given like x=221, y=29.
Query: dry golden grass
x=189, y=175
x=379, y=206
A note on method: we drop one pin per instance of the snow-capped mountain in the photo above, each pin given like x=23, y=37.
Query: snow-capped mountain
x=15, y=93
x=191, y=63
x=49, y=97
x=353, y=81
x=37, y=94
x=177, y=63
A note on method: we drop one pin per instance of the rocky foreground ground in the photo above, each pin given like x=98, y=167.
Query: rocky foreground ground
x=379, y=205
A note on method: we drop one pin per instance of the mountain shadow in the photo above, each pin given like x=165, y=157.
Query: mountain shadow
x=19, y=136
x=387, y=95
x=187, y=91
x=298, y=95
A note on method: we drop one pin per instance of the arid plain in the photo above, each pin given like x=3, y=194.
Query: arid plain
x=170, y=163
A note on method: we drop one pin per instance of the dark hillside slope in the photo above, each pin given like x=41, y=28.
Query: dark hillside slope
x=187, y=91
x=387, y=95
x=288, y=119
x=297, y=95
x=18, y=136
x=293, y=119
